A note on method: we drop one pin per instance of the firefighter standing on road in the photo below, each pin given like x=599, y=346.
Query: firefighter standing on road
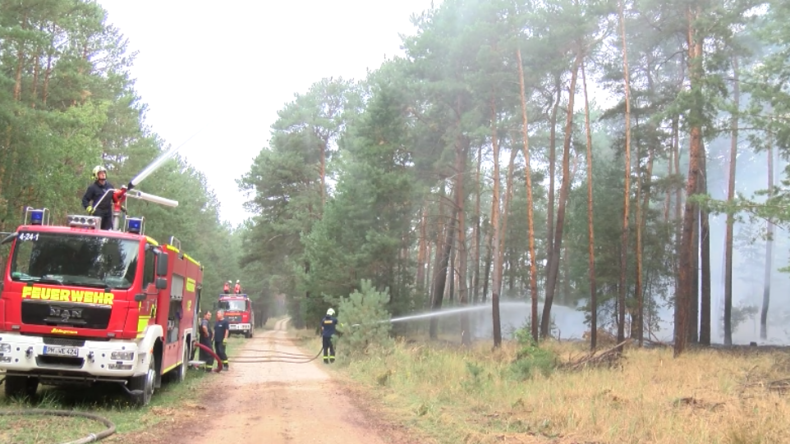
x=94, y=193
x=328, y=324
x=205, y=339
x=221, y=332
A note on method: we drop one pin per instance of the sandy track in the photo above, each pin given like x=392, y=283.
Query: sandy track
x=277, y=403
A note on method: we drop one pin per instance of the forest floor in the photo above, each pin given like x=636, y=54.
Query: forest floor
x=559, y=394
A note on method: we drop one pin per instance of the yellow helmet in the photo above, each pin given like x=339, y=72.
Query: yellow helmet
x=98, y=169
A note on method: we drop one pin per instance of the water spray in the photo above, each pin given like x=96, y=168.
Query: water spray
x=444, y=312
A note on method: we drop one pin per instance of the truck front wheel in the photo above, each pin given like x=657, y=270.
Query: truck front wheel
x=143, y=385
x=20, y=386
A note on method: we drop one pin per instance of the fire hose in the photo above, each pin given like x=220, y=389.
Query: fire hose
x=214, y=355
x=93, y=437
x=276, y=356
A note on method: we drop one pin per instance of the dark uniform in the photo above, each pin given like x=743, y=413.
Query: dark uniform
x=205, y=339
x=104, y=210
x=220, y=327
x=328, y=324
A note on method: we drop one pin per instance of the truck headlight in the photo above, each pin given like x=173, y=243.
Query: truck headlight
x=122, y=356
x=5, y=348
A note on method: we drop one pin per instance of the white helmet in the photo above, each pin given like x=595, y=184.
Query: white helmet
x=98, y=169
x=330, y=312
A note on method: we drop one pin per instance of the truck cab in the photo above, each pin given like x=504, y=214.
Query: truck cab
x=238, y=313
x=80, y=305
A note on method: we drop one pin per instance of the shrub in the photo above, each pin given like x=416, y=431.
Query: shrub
x=531, y=358
x=364, y=319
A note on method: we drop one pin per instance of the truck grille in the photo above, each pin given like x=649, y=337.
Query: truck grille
x=59, y=361
x=235, y=319
x=65, y=314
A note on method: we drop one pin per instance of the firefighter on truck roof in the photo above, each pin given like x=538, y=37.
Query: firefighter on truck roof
x=237, y=288
x=94, y=193
x=226, y=288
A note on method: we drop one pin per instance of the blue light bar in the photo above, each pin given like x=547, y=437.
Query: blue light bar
x=135, y=225
x=36, y=217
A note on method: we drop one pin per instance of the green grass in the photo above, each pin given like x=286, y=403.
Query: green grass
x=171, y=401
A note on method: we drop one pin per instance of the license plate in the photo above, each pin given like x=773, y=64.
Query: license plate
x=235, y=327
x=61, y=351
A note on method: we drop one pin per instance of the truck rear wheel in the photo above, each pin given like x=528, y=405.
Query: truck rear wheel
x=144, y=384
x=20, y=386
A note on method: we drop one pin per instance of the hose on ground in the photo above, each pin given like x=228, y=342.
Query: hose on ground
x=278, y=356
x=93, y=437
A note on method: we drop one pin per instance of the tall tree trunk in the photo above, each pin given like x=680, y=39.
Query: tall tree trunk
x=736, y=97
x=768, y=249
x=695, y=123
x=476, y=283
x=489, y=263
x=533, y=266
x=422, y=249
x=693, y=306
x=627, y=191
x=590, y=231
x=554, y=263
x=495, y=226
x=704, y=234
x=505, y=212
x=460, y=166
x=668, y=197
x=443, y=247
x=645, y=182
x=552, y=168
x=428, y=269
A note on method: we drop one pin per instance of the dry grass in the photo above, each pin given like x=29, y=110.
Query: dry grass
x=475, y=396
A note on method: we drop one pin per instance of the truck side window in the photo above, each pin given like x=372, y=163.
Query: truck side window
x=149, y=268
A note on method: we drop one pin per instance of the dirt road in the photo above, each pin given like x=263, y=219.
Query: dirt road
x=276, y=403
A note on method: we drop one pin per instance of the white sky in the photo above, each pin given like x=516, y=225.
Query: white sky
x=226, y=68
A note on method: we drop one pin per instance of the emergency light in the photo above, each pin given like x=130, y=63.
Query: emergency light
x=90, y=222
x=134, y=225
x=36, y=216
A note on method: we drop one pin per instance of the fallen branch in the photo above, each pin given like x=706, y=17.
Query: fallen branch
x=609, y=357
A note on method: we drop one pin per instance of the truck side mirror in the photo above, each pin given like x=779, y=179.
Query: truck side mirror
x=161, y=264
x=161, y=283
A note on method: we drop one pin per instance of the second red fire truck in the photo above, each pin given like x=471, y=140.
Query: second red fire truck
x=239, y=314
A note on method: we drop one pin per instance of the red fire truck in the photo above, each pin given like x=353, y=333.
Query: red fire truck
x=239, y=314
x=80, y=305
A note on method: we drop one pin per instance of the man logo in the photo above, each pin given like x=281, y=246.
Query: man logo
x=65, y=314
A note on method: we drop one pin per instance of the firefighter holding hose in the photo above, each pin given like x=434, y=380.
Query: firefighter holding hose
x=205, y=339
x=221, y=332
x=92, y=200
x=328, y=324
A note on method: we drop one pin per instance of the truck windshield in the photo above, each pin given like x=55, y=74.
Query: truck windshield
x=233, y=305
x=72, y=259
